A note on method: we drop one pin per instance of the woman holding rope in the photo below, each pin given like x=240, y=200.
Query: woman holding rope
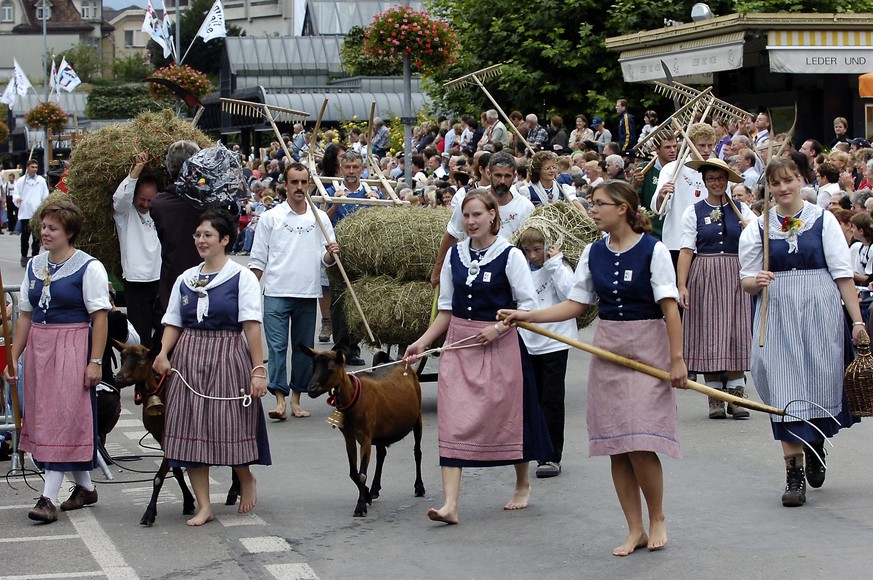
x=488, y=409
x=631, y=416
x=804, y=352
x=213, y=322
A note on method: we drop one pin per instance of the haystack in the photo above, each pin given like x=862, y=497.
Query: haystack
x=568, y=228
x=102, y=159
x=398, y=312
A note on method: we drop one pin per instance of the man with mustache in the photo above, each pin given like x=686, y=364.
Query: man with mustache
x=513, y=207
x=287, y=254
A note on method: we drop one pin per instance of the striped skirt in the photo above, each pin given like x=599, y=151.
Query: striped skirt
x=198, y=430
x=802, y=357
x=717, y=327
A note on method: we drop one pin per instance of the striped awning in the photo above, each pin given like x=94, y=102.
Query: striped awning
x=820, y=51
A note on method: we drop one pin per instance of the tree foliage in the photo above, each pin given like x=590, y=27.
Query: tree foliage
x=205, y=57
x=357, y=63
x=555, y=54
x=131, y=69
x=84, y=60
x=120, y=101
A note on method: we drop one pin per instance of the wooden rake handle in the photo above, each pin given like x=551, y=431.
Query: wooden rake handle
x=649, y=370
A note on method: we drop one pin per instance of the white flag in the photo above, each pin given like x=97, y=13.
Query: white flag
x=9, y=96
x=152, y=26
x=67, y=77
x=170, y=49
x=21, y=81
x=213, y=26
x=54, y=75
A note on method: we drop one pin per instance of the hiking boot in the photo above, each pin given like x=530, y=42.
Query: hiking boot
x=79, y=499
x=548, y=469
x=44, y=511
x=716, y=409
x=736, y=411
x=325, y=330
x=815, y=467
x=795, y=487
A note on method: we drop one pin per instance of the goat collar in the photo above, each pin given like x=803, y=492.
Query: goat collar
x=356, y=396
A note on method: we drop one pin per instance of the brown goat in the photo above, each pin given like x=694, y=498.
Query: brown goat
x=379, y=408
x=136, y=369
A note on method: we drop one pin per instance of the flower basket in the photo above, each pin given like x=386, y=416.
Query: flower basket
x=430, y=44
x=190, y=79
x=4, y=132
x=46, y=116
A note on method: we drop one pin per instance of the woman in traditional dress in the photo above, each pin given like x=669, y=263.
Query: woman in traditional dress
x=802, y=361
x=213, y=322
x=63, y=326
x=544, y=187
x=488, y=410
x=717, y=326
x=631, y=416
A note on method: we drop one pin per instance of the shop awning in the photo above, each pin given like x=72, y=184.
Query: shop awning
x=820, y=52
x=691, y=57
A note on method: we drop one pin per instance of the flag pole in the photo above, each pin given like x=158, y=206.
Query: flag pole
x=187, y=51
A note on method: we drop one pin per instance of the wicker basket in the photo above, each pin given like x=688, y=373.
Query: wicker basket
x=858, y=381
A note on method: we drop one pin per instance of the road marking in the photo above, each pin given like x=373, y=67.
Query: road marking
x=16, y=507
x=263, y=544
x=291, y=571
x=249, y=519
x=126, y=423
x=39, y=538
x=55, y=575
x=101, y=546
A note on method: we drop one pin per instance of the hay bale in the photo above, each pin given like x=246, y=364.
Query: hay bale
x=102, y=159
x=568, y=228
x=400, y=242
x=398, y=312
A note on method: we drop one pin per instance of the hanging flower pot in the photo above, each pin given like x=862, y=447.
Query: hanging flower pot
x=47, y=115
x=430, y=43
x=190, y=79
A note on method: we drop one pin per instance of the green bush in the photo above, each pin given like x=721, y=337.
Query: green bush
x=357, y=63
x=119, y=102
x=84, y=60
x=131, y=69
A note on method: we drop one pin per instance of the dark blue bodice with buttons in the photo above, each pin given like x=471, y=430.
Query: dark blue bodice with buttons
x=223, y=306
x=67, y=305
x=720, y=236
x=623, y=281
x=810, y=251
x=482, y=300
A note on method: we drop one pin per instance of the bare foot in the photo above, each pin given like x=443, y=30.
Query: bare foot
x=248, y=493
x=443, y=515
x=634, y=541
x=519, y=499
x=657, y=534
x=279, y=411
x=298, y=411
x=202, y=517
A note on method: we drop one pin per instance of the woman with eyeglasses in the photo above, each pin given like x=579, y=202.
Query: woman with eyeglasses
x=213, y=329
x=544, y=187
x=632, y=417
x=717, y=325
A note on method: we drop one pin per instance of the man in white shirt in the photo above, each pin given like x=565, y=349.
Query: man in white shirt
x=687, y=189
x=30, y=191
x=140, y=248
x=746, y=165
x=762, y=128
x=287, y=255
x=512, y=206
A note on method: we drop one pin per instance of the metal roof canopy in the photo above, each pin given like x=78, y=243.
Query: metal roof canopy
x=343, y=106
x=332, y=17
x=285, y=55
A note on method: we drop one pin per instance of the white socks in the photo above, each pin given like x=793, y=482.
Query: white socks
x=52, y=485
x=83, y=479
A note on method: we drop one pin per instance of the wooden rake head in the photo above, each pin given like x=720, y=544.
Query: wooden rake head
x=481, y=74
x=260, y=110
x=719, y=109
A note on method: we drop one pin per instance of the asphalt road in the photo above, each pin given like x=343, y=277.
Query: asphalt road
x=722, y=502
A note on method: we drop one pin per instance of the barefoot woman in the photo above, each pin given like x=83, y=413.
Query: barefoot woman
x=488, y=410
x=214, y=323
x=631, y=416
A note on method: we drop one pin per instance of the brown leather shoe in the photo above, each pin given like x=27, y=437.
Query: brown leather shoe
x=79, y=499
x=44, y=511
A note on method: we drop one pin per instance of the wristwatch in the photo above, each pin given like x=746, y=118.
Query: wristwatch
x=96, y=361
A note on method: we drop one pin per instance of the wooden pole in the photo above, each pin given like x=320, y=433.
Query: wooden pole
x=509, y=122
x=13, y=389
x=649, y=370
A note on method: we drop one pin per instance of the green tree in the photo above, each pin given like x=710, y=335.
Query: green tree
x=131, y=69
x=554, y=50
x=205, y=57
x=120, y=101
x=84, y=60
x=357, y=63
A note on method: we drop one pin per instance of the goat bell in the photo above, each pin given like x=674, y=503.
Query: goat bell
x=154, y=406
x=335, y=419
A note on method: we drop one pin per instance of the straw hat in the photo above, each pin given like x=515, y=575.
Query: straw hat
x=716, y=163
